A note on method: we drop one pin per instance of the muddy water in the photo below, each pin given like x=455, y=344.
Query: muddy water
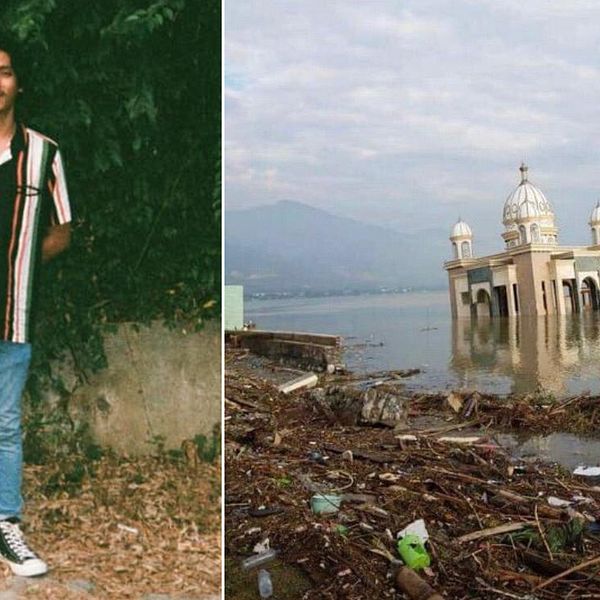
x=398, y=331
x=566, y=449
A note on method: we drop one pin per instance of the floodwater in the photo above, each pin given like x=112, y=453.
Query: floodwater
x=401, y=331
x=502, y=356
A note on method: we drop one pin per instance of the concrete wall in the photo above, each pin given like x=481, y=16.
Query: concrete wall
x=313, y=351
x=158, y=382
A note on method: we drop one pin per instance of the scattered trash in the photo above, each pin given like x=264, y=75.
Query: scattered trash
x=593, y=527
x=265, y=585
x=413, y=586
x=347, y=455
x=325, y=504
x=258, y=560
x=128, y=529
x=592, y=474
x=554, y=501
x=455, y=402
x=305, y=381
x=265, y=511
x=471, y=405
x=317, y=457
x=413, y=552
x=406, y=437
x=415, y=528
x=500, y=526
x=467, y=440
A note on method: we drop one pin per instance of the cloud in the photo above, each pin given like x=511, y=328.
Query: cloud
x=409, y=112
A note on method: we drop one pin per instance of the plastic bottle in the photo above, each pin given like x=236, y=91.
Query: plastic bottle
x=413, y=552
x=256, y=560
x=265, y=585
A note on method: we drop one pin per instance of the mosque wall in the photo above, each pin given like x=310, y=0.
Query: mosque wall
x=587, y=263
x=526, y=284
x=525, y=279
x=542, y=282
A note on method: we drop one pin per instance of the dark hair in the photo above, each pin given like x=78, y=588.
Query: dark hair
x=14, y=49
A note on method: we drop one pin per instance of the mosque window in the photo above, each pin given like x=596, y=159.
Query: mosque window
x=523, y=234
x=466, y=250
x=535, y=233
x=595, y=236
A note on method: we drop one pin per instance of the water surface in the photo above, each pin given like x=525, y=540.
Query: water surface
x=401, y=331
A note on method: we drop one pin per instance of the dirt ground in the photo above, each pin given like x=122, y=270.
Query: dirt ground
x=498, y=527
x=123, y=528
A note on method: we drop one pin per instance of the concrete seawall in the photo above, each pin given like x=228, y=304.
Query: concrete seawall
x=306, y=350
x=159, y=382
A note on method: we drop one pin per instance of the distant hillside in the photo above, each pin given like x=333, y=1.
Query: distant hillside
x=290, y=246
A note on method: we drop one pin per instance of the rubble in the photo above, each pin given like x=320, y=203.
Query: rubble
x=305, y=381
x=492, y=531
x=379, y=405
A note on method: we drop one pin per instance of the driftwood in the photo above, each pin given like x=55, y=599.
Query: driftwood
x=414, y=587
x=490, y=531
x=575, y=569
x=544, y=566
x=364, y=454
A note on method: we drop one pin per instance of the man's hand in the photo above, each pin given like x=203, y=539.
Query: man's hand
x=57, y=239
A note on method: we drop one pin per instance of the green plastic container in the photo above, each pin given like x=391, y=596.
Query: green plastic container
x=413, y=552
x=325, y=504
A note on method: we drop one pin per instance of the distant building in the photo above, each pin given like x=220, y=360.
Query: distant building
x=534, y=275
x=233, y=304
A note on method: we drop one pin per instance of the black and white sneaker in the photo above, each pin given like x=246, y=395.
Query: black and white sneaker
x=13, y=550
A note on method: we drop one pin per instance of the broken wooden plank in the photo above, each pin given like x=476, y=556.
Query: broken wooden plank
x=542, y=565
x=491, y=531
x=305, y=381
x=372, y=456
x=465, y=441
x=246, y=403
x=446, y=428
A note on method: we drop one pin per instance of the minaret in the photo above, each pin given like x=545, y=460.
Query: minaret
x=462, y=240
x=595, y=224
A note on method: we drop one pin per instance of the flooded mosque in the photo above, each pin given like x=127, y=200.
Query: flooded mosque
x=533, y=275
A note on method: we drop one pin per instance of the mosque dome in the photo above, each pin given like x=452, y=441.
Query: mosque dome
x=526, y=202
x=595, y=216
x=461, y=229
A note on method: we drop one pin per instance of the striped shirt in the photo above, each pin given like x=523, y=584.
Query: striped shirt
x=33, y=196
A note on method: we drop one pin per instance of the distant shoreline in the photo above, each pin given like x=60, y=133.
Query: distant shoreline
x=335, y=293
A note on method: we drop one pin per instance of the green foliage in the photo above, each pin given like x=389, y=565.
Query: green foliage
x=208, y=451
x=283, y=482
x=131, y=91
x=542, y=397
x=560, y=537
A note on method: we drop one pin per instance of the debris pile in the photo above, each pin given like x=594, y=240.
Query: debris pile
x=332, y=499
x=535, y=413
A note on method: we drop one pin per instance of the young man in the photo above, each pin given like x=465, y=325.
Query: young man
x=34, y=227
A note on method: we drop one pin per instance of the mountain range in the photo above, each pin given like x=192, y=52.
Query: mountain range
x=292, y=247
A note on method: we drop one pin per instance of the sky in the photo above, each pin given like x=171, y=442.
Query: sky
x=410, y=113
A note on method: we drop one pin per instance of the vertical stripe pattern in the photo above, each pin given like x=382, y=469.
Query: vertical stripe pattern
x=41, y=199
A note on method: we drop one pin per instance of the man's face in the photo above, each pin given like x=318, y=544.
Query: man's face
x=9, y=86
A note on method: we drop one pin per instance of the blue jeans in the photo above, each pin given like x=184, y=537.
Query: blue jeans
x=14, y=366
